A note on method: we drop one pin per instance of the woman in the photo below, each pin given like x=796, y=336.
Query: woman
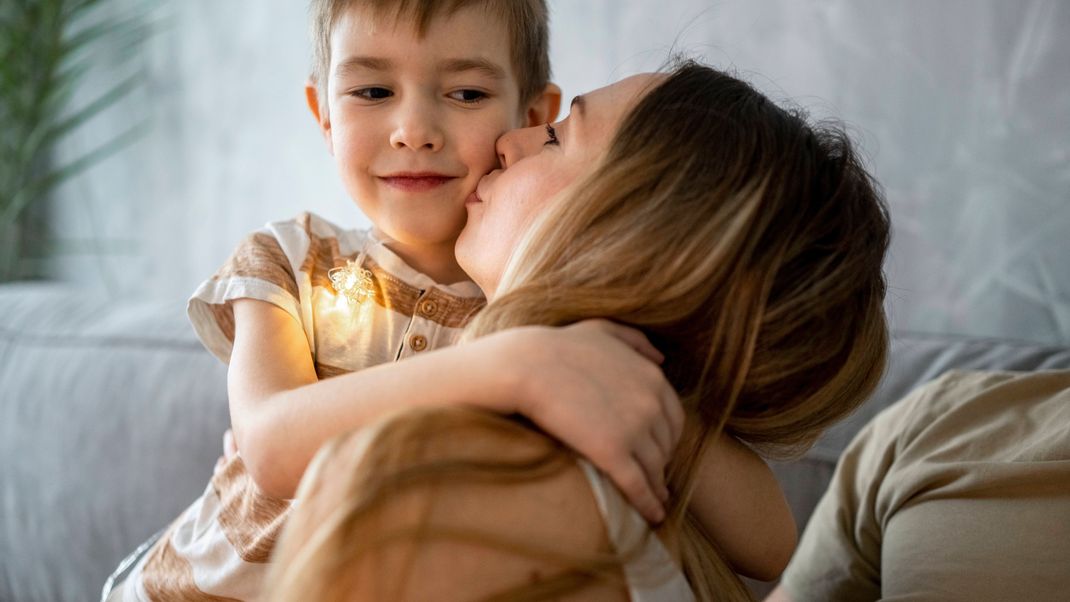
x=745, y=243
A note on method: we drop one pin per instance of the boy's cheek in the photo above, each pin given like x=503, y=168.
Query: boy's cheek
x=520, y=119
x=480, y=153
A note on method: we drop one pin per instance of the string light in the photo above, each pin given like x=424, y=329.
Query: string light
x=353, y=281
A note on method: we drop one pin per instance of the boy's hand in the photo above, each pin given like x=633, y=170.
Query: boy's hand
x=230, y=449
x=597, y=386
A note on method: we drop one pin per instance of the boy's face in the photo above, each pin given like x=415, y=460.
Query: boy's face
x=412, y=121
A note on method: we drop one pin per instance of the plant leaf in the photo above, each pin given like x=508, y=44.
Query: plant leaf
x=44, y=184
x=94, y=108
x=91, y=34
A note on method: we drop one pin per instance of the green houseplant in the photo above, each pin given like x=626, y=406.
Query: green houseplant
x=48, y=51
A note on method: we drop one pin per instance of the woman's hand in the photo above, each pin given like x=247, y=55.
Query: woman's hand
x=597, y=386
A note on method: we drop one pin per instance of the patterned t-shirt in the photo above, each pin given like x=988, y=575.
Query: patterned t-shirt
x=219, y=547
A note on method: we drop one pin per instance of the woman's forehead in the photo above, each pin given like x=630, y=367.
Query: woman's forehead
x=605, y=107
x=627, y=91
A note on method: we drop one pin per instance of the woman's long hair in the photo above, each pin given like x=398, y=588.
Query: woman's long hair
x=748, y=245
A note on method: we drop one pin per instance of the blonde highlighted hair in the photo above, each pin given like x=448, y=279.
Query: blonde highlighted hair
x=748, y=245
x=527, y=22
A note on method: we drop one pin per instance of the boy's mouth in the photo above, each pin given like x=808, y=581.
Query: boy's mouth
x=416, y=182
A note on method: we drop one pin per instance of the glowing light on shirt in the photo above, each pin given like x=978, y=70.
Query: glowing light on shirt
x=352, y=282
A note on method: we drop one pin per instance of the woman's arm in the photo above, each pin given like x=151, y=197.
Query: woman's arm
x=742, y=507
x=779, y=595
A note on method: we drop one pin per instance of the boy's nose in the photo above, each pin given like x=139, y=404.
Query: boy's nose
x=515, y=145
x=416, y=129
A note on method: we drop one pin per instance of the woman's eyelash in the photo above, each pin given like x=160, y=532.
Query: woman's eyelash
x=552, y=134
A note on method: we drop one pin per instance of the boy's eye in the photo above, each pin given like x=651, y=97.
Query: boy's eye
x=372, y=93
x=468, y=96
x=552, y=134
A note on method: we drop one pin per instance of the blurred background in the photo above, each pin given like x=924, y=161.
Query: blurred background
x=960, y=105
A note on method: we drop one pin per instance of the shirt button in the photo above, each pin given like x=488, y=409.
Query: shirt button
x=428, y=308
x=418, y=342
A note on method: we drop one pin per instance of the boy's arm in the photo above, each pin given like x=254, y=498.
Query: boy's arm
x=742, y=507
x=281, y=413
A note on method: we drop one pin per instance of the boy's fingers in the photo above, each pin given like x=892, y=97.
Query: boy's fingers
x=674, y=412
x=229, y=447
x=649, y=456
x=662, y=435
x=633, y=483
x=636, y=340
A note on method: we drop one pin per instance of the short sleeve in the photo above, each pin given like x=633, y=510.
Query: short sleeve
x=839, y=554
x=259, y=269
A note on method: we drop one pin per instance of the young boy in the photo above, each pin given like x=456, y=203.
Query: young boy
x=410, y=98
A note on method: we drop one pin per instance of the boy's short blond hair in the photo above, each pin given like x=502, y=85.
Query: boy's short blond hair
x=526, y=20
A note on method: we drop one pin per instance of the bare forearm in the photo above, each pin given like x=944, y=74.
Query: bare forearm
x=289, y=427
x=594, y=385
x=742, y=507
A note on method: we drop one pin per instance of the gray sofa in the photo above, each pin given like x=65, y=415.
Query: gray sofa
x=112, y=416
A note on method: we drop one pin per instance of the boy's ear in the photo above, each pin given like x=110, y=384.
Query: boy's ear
x=545, y=107
x=323, y=121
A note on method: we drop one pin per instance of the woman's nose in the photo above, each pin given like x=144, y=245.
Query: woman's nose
x=514, y=145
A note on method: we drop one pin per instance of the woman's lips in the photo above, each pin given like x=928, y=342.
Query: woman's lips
x=473, y=199
x=416, y=182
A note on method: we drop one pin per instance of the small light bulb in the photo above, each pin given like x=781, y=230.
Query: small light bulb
x=352, y=282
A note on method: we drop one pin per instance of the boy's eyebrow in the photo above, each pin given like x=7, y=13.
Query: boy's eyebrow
x=372, y=63
x=482, y=65
x=367, y=62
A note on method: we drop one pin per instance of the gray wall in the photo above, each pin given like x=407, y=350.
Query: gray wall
x=961, y=106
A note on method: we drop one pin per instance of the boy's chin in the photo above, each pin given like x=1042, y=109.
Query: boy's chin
x=421, y=236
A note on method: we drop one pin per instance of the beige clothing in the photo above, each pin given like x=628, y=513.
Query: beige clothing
x=961, y=491
x=652, y=576
x=219, y=547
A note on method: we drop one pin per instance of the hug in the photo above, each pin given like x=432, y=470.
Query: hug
x=578, y=348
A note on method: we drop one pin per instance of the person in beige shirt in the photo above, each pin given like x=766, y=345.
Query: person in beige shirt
x=960, y=491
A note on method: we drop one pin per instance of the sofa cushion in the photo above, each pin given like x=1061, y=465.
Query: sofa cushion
x=110, y=422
